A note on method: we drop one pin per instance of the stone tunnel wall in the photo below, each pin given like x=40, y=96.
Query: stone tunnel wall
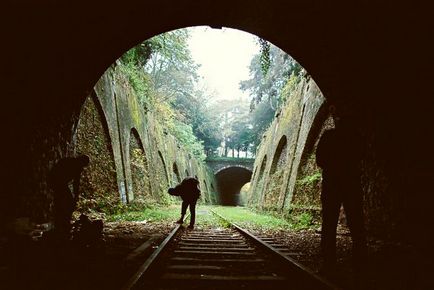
x=390, y=212
x=56, y=137
x=280, y=153
x=160, y=148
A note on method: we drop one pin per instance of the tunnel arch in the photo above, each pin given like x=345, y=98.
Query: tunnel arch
x=230, y=180
x=263, y=165
x=160, y=155
x=315, y=26
x=230, y=166
x=257, y=189
x=160, y=170
x=98, y=181
x=254, y=30
x=301, y=46
x=255, y=171
x=275, y=27
x=321, y=122
x=271, y=194
x=275, y=39
x=279, y=154
x=139, y=167
x=176, y=172
x=206, y=185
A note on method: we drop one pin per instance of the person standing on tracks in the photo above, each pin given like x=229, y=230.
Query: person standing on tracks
x=64, y=172
x=189, y=192
x=339, y=153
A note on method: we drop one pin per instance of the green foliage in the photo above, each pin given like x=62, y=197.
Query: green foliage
x=139, y=54
x=166, y=214
x=268, y=86
x=98, y=181
x=244, y=217
x=307, y=186
x=310, y=179
x=162, y=74
x=304, y=220
x=265, y=59
x=140, y=82
x=248, y=219
x=272, y=195
x=184, y=133
x=289, y=87
x=235, y=126
x=150, y=214
x=273, y=78
x=230, y=159
x=261, y=116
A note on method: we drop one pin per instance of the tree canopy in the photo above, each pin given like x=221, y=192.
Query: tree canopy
x=165, y=78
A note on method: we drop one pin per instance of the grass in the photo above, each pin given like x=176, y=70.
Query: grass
x=168, y=213
x=242, y=216
x=150, y=214
x=248, y=219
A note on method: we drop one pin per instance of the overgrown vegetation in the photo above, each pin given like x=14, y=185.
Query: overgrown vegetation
x=271, y=220
x=149, y=214
x=242, y=216
x=140, y=171
x=308, y=186
x=164, y=76
x=274, y=76
x=230, y=159
x=99, y=190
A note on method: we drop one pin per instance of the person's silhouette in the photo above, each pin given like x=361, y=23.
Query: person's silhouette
x=64, y=172
x=189, y=192
x=338, y=154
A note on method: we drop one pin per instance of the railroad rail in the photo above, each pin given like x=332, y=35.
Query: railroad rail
x=222, y=258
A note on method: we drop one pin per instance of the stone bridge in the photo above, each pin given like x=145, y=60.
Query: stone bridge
x=218, y=164
x=231, y=174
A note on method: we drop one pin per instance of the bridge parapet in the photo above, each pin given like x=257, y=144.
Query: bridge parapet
x=219, y=163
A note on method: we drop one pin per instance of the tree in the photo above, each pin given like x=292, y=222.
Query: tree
x=273, y=76
x=164, y=76
x=267, y=84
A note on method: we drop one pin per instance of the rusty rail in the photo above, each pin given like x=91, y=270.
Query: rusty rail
x=148, y=264
x=305, y=273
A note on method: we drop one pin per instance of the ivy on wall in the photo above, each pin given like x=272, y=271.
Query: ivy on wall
x=98, y=187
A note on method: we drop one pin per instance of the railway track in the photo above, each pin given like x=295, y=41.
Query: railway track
x=226, y=257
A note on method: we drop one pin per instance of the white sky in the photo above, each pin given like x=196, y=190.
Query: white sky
x=224, y=56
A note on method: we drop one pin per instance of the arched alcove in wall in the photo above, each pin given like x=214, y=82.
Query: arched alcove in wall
x=161, y=177
x=279, y=154
x=176, y=173
x=257, y=190
x=98, y=184
x=139, y=168
x=272, y=195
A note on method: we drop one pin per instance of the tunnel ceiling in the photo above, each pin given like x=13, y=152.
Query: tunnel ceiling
x=229, y=183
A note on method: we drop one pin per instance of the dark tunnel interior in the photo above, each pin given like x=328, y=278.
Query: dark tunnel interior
x=229, y=182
